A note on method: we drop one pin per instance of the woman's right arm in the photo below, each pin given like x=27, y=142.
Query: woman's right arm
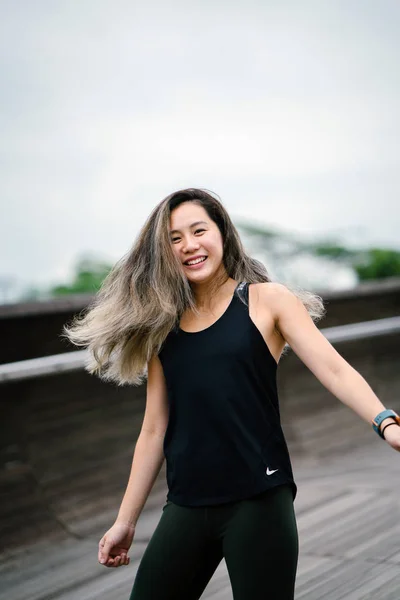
x=148, y=458
x=148, y=455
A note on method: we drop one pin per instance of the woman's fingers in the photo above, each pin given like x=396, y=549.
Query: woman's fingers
x=118, y=561
x=101, y=547
x=123, y=560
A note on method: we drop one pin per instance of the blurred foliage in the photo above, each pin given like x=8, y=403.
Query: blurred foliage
x=378, y=263
x=30, y=294
x=88, y=277
x=368, y=263
x=333, y=250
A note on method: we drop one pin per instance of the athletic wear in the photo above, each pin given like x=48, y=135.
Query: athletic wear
x=257, y=537
x=224, y=440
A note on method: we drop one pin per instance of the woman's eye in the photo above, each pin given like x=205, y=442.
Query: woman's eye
x=177, y=238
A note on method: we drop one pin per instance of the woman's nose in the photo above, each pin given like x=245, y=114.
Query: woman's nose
x=190, y=244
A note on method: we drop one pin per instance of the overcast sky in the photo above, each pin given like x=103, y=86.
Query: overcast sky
x=289, y=111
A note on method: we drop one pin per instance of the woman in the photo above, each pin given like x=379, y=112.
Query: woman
x=191, y=311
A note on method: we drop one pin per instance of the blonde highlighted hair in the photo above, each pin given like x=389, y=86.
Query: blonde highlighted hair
x=146, y=292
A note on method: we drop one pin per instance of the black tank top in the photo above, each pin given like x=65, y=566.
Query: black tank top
x=224, y=440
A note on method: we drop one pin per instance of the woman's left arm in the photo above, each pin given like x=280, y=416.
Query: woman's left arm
x=331, y=369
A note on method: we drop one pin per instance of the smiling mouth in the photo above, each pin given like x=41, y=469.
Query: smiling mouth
x=196, y=262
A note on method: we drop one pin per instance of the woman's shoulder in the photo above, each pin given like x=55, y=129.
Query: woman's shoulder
x=270, y=290
x=270, y=297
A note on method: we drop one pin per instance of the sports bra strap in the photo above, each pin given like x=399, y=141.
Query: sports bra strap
x=242, y=290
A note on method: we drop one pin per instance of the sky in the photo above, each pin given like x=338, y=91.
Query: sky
x=287, y=110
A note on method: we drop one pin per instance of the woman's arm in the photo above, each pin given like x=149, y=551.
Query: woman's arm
x=316, y=352
x=148, y=456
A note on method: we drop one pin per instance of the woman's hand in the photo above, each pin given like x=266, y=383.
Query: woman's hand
x=392, y=436
x=115, y=543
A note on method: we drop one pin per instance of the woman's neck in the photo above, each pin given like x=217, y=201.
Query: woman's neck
x=207, y=298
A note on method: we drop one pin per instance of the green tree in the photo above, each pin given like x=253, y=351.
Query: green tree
x=89, y=275
x=378, y=263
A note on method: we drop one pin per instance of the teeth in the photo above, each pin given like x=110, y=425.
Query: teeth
x=198, y=260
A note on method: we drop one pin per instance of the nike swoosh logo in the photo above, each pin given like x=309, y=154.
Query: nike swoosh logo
x=268, y=472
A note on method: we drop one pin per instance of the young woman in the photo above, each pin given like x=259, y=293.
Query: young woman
x=191, y=312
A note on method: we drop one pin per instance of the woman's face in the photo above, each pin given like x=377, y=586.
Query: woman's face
x=194, y=235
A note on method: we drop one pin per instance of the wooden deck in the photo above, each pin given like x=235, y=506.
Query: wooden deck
x=348, y=514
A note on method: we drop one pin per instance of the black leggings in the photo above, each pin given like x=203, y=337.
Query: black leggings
x=257, y=537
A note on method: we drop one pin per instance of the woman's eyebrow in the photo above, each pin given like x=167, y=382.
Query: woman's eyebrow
x=192, y=225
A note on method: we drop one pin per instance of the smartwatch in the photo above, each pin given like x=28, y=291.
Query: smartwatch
x=376, y=423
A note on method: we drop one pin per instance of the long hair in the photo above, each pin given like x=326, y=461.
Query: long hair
x=144, y=295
